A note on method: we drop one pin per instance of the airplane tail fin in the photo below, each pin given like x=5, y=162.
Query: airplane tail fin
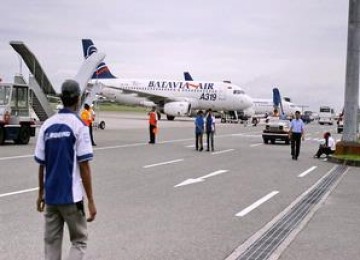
x=187, y=76
x=277, y=101
x=102, y=70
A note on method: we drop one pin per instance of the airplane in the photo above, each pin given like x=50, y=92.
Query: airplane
x=262, y=106
x=172, y=97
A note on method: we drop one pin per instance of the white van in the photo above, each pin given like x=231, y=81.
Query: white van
x=326, y=115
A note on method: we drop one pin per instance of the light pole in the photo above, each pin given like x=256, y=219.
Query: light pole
x=351, y=105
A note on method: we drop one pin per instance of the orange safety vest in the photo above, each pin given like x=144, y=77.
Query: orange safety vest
x=152, y=118
x=86, y=117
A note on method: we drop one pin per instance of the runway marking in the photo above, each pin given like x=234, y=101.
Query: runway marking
x=223, y=151
x=200, y=179
x=190, y=146
x=18, y=192
x=16, y=157
x=301, y=175
x=162, y=163
x=119, y=146
x=246, y=135
x=254, y=145
x=256, y=204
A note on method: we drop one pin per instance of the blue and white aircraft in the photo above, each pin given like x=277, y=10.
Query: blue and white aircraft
x=172, y=97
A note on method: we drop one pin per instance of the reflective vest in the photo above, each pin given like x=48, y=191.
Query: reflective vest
x=152, y=118
x=86, y=117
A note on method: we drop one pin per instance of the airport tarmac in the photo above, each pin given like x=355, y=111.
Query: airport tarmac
x=168, y=201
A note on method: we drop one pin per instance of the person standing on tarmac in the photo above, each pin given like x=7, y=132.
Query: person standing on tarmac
x=210, y=130
x=153, y=118
x=296, y=134
x=63, y=151
x=199, y=131
x=87, y=118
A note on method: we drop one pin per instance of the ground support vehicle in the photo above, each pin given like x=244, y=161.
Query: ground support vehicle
x=15, y=121
x=276, y=130
x=326, y=115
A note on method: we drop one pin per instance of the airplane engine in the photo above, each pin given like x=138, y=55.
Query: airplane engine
x=173, y=109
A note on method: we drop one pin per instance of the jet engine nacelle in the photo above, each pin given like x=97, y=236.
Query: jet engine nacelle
x=177, y=109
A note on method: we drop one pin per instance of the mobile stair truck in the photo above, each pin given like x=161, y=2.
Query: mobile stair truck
x=15, y=121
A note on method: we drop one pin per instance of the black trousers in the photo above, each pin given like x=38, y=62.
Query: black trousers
x=152, y=133
x=324, y=150
x=91, y=134
x=199, y=141
x=295, y=144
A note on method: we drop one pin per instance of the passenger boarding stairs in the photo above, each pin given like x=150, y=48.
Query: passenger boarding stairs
x=39, y=101
x=41, y=87
x=39, y=84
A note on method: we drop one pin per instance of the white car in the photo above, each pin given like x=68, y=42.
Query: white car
x=276, y=129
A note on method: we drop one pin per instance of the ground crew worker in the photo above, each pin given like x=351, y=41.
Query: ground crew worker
x=199, y=131
x=87, y=118
x=63, y=151
x=153, y=125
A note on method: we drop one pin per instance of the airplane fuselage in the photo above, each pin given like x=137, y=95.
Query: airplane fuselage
x=201, y=95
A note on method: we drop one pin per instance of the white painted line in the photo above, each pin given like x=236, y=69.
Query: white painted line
x=200, y=179
x=16, y=157
x=254, y=145
x=162, y=163
x=256, y=204
x=119, y=146
x=223, y=151
x=213, y=174
x=17, y=192
x=301, y=175
x=190, y=146
x=246, y=135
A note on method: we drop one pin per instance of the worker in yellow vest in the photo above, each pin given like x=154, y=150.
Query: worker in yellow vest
x=87, y=118
x=153, y=118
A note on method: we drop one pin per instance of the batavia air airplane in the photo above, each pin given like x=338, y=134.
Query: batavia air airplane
x=171, y=97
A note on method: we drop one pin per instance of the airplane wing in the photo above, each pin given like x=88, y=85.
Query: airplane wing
x=152, y=97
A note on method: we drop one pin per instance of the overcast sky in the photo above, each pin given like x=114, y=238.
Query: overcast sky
x=298, y=46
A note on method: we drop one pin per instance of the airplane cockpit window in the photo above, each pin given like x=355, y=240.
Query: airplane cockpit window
x=238, y=92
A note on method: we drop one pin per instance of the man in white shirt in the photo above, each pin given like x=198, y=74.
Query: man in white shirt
x=63, y=151
x=328, y=147
x=296, y=134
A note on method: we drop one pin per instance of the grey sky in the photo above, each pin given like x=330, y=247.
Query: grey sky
x=298, y=45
